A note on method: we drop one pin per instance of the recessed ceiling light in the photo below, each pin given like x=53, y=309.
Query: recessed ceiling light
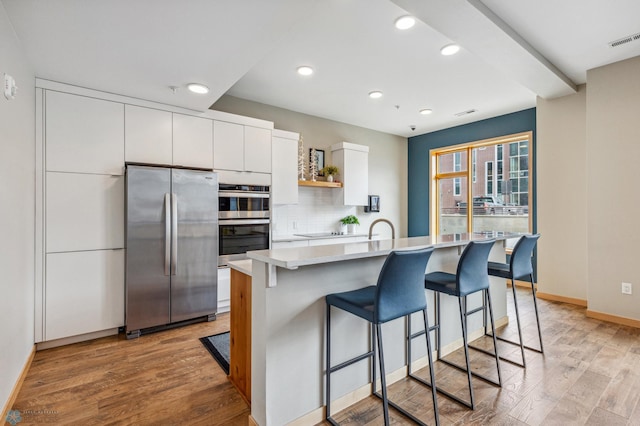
x=200, y=89
x=426, y=111
x=375, y=94
x=450, y=49
x=405, y=22
x=305, y=70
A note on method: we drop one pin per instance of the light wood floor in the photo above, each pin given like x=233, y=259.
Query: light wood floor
x=590, y=374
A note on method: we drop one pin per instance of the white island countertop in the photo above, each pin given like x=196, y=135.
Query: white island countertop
x=242, y=266
x=293, y=258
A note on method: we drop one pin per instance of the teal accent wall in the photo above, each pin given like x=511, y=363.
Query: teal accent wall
x=419, y=147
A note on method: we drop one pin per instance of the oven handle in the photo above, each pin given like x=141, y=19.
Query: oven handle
x=224, y=194
x=244, y=222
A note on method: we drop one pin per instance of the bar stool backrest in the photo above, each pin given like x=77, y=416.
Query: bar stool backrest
x=521, y=266
x=472, y=272
x=400, y=289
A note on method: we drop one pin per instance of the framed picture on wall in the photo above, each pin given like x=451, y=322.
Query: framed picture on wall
x=319, y=158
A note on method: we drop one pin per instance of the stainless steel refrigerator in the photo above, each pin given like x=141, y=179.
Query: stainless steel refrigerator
x=172, y=246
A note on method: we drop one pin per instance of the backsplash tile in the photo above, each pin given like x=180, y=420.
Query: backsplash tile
x=318, y=210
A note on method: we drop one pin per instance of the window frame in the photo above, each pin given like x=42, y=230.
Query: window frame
x=468, y=147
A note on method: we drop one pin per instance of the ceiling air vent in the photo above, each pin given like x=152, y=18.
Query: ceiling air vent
x=625, y=40
x=467, y=112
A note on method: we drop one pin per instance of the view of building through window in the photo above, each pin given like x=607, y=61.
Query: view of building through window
x=498, y=170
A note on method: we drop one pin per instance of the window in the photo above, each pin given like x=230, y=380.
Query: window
x=473, y=164
x=482, y=185
x=456, y=168
x=488, y=179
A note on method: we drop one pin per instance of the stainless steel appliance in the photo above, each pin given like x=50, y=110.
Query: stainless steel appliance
x=172, y=244
x=243, y=220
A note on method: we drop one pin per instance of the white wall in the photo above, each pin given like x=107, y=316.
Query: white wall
x=562, y=195
x=613, y=152
x=17, y=165
x=588, y=177
x=387, y=166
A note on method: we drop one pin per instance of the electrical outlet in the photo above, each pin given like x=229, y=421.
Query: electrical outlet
x=626, y=288
x=295, y=224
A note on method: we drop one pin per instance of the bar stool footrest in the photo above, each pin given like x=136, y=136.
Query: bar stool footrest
x=479, y=376
x=401, y=410
x=443, y=392
x=540, y=351
x=351, y=361
x=510, y=361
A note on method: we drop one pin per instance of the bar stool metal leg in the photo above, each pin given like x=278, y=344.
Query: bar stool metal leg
x=515, y=306
x=432, y=377
x=535, y=305
x=465, y=342
x=383, y=379
x=328, y=368
x=493, y=327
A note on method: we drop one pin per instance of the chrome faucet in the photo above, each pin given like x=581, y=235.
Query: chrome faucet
x=393, y=230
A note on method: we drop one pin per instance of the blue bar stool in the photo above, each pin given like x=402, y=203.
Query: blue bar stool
x=399, y=293
x=518, y=268
x=471, y=277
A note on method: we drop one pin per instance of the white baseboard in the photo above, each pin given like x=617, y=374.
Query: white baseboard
x=75, y=339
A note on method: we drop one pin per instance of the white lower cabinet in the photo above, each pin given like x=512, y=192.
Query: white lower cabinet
x=317, y=242
x=289, y=244
x=224, y=289
x=84, y=292
x=341, y=240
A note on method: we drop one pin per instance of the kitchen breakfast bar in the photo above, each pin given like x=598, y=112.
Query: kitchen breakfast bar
x=288, y=288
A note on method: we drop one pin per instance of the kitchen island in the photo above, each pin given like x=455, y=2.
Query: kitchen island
x=288, y=321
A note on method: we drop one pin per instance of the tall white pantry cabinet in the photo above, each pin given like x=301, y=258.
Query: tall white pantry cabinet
x=83, y=182
x=84, y=137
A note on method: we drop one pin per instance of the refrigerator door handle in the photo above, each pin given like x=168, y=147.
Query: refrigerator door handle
x=167, y=233
x=174, y=234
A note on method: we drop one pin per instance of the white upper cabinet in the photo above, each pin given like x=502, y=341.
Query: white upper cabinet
x=257, y=149
x=228, y=146
x=284, y=167
x=84, y=212
x=353, y=162
x=192, y=141
x=148, y=135
x=84, y=135
x=241, y=148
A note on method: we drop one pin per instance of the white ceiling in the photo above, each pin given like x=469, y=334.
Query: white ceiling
x=512, y=51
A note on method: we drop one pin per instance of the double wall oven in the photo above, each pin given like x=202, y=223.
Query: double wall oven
x=243, y=220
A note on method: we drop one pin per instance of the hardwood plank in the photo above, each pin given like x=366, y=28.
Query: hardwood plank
x=601, y=417
x=578, y=403
x=589, y=374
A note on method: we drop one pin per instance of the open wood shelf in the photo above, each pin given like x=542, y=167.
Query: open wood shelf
x=320, y=184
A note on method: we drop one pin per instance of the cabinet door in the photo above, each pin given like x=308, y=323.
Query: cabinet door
x=257, y=149
x=192, y=141
x=224, y=289
x=84, y=212
x=147, y=135
x=354, y=170
x=83, y=135
x=284, y=171
x=228, y=146
x=84, y=292
x=289, y=244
